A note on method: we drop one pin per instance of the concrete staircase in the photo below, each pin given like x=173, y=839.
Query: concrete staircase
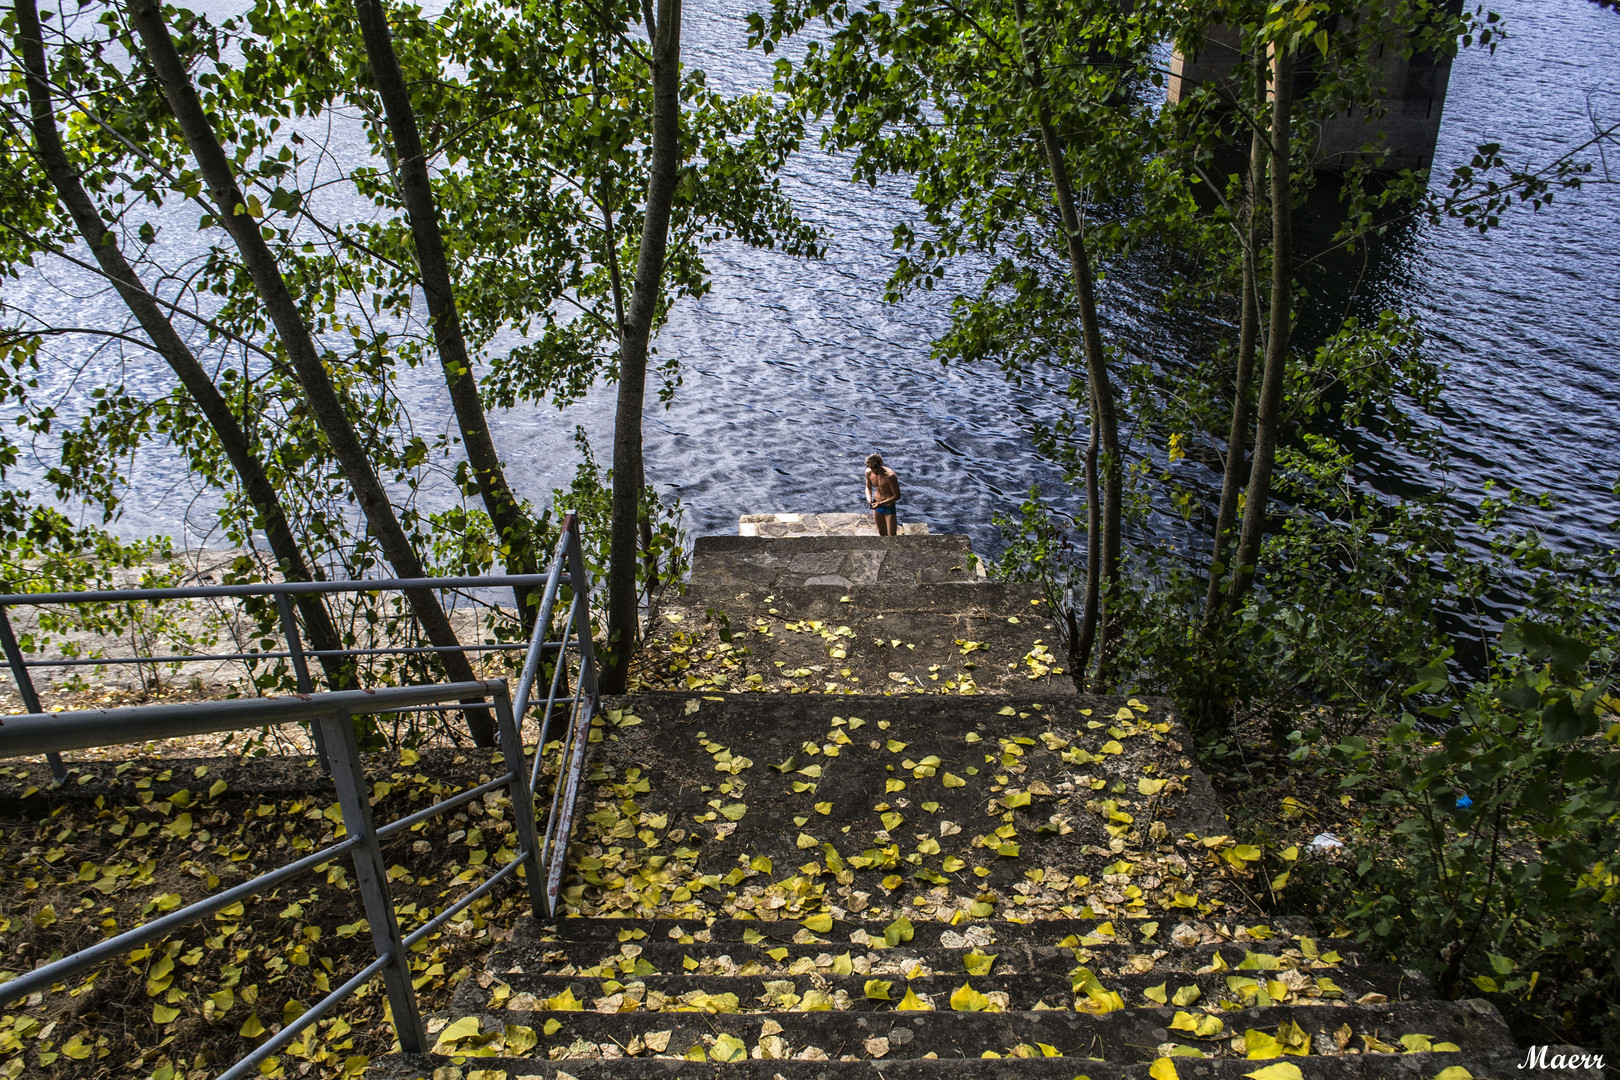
x=919, y=883
x=850, y=615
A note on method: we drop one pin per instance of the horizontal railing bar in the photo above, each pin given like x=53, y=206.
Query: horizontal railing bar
x=41, y=978
x=194, y=658
x=39, y=733
x=271, y=588
x=450, y=912
x=451, y=803
x=249, y=1066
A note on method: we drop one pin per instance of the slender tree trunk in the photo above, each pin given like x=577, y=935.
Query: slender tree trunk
x=326, y=406
x=256, y=484
x=1085, y=635
x=1104, y=418
x=503, y=507
x=623, y=607
x=1237, y=440
x=1271, y=385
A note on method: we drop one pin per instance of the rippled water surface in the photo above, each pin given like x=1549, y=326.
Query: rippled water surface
x=795, y=370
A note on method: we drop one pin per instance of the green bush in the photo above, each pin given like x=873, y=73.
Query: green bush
x=1490, y=857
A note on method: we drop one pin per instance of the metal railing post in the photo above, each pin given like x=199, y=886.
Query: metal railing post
x=581, y=583
x=522, y=800
x=576, y=740
x=25, y=685
x=300, y=664
x=372, y=875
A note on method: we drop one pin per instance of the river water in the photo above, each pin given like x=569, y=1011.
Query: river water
x=794, y=370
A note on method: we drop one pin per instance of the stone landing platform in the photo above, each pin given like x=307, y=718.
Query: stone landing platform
x=827, y=524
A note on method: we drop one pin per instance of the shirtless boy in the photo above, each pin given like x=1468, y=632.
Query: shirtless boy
x=882, y=493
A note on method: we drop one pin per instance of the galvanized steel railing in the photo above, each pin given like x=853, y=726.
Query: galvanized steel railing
x=296, y=652
x=541, y=858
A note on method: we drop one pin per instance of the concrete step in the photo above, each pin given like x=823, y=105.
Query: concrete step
x=824, y=523
x=611, y=960
x=1123, y=1037
x=1011, y=986
x=1416, y=1066
x=876, y=639
x=966, y=935
x=723, y=565
x=912, y=807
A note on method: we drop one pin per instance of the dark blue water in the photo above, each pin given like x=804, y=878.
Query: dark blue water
x=795, y=370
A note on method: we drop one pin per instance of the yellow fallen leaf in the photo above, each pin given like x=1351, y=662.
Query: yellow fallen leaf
x=1163, y=1069
x=878, y=989
x=819, y=924
x=163, y=1014
x=728, y=1048
x=912, y=1003
x=1284, y=1070
x=563, y=1002
x=978, y=963
x=1145, y=786
x=734, y=812
x=967, y=999
x=520, y=1039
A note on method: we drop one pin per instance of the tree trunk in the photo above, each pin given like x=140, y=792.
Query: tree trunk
x=503, y=507
x=623, y=606
x=1085, y=635
x=256, y=484
x=326, y=406
x=1271, y=385
x=1104, y=419
x=1237, y=440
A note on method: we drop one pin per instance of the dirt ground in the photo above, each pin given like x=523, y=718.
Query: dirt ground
x=121, y=843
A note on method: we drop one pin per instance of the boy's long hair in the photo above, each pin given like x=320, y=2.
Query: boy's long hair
x=874, y=462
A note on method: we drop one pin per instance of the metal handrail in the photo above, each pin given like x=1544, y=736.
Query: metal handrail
x=271, y=588
x=542, y=861
x=282, y=591
x=29, y=735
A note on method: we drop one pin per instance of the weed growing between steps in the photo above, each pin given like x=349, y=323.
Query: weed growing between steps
x=117, y=846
